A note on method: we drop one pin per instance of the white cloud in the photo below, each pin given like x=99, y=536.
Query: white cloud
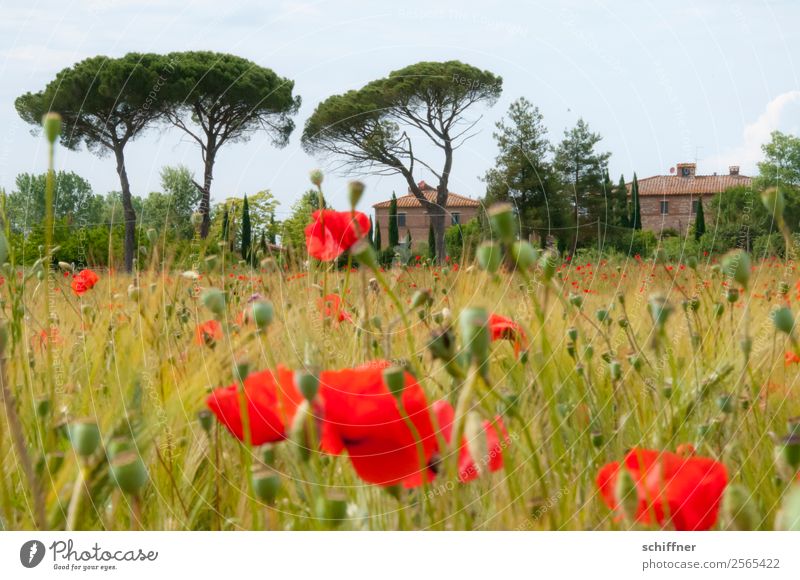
x=781, y=113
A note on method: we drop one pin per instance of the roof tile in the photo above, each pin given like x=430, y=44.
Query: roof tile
x=661, y=185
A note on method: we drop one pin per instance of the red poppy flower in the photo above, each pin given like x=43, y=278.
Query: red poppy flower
x=208, y=332
x=272, y=401
x=83, y=281
x=791, y=358
x=332, y=233
x=361, y=416
x=468, y=468
x=683, y=491
x=501, y=328
x=331, y=307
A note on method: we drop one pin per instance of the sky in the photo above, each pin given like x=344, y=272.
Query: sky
x=662, y=82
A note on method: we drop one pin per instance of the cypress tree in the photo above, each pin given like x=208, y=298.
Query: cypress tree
x=408, y=237
x=394, y=234
x=431, y=243
x=621, y=198
x=272, y=228
x=699, y=220
x=262, y=245
x=369, y=233
x=246, y=233
x=636, y=210
x=225, y=224
x=378, y=236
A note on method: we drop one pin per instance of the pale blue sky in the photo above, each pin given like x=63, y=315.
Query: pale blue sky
x=662, y=82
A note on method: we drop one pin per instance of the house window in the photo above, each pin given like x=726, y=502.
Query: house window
x=695, y=206
x=664, y=207
x=401, y=220
x=455, y=219
x=685, y=171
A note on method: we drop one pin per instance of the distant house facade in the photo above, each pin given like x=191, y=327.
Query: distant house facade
x=411, y=216
x=671, y=201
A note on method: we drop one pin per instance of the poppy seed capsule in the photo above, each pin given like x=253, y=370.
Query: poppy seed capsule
x=206, y=419
x=524, y=254
x=241, y=368
x=736, y=264
x=719, y=310
x=395, y=380
x=421, y=298
x=783, y=319
x=441, y=344
x=263, y=313
x=489, y=256
x=307, y=383
x=266, y=484
x=659, y=308
x=214, y=300
x=355, y=190
x=51, y=123
x=84, y=436
x=129, y=472
x=316, y=176
x=501, y=220
x=572, y=333
x=597, y=439
x=474, y=326
x=576, y=300
x=726, y=403
x=601, y=314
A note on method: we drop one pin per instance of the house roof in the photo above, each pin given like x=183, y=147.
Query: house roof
x=661, y=185
x=410, y=200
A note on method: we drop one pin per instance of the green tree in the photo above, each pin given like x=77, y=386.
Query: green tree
x=293, y=228
x=246, y=232
x=620, y=214
x=431, y=243
x=370, y=232
x=394, y=233
x=699, y=220
x=105, y=103
x=374, y=128
x=581, y=168
x=378, y=235
x=523, y=174
x=225, y=224
x=217, y=98
x=272, y=229
x=636, y=208
x=172, y=210
x=781, y=164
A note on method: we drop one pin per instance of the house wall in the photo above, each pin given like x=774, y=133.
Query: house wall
x=417, y=222
x=680, y=214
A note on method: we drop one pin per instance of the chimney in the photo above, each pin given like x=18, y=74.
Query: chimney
x=733, y=170
x=686, y=169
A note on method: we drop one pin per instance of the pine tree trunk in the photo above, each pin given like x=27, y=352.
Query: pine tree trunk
x=129, y=213
x=205, y=200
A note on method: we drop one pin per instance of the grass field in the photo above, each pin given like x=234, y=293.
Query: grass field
x=607, y=357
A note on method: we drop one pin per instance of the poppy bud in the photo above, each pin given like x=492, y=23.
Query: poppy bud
x=474, y=324
x=783, y=319
x=332, y=509
x=421, y=298
x=196, y=219
x=788, y=518
x=739, y=509
x=268, y=454
x=363, y=251
x=51, y=123
x=501, y=219
x=524, y=254
x=266, y=484
x=659, y=308
x=790, y=452
x=206, y=420
x=601, y=314
x=615, y=369
x=623, y=322
x=84, y=436
x=773, y=200
x=263, y=313
x=719, y=309
x=736, y=265
x=298, y=432
x=355, y=190
x=626, y=495
x=576, y=300
x=307, y=383
x=43, y=408
x=129, y=472
x=395, y=380
x=572, y=333
x=442, y=344
x=571, y=349
x=597, y=439
x=620, y=297
x=489, y=256
x=548, y=265
x=635, y=361
x=241, y=368
x=316, y=177
x=214, y=300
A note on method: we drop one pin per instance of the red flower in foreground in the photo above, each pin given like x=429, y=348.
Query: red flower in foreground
x=272, y=401
x=501, y=328
x=361, y=416
x=208, y=332
x=84, y=281
x=684, y=491
x=468, y=469
x=791, y=358
x=332, y=233
x=331, y=307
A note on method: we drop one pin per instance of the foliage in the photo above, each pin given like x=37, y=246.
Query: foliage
x=699, y=220
x=781, y=164
x=247, y=234
x=636, y=206
x=394, y=234
x=293, y=228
